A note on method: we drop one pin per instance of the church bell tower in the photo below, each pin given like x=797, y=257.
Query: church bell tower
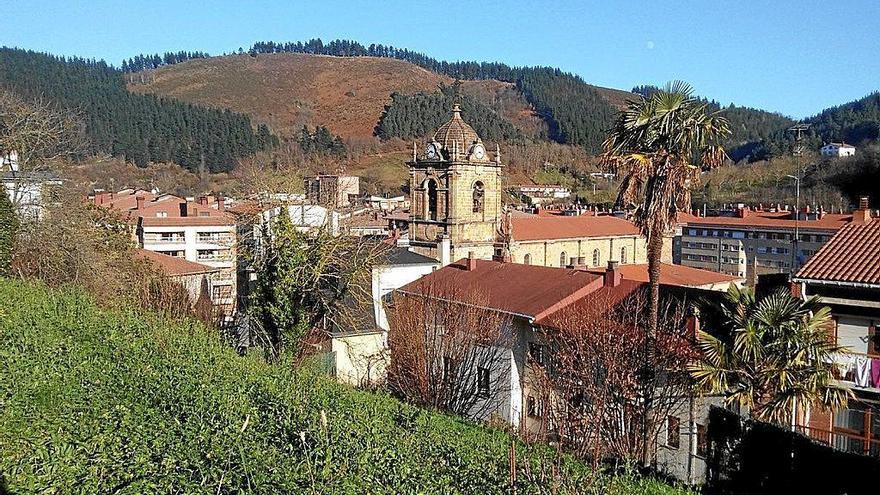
x=455, y=189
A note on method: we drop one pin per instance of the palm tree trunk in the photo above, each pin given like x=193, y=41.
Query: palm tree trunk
x=655, y=253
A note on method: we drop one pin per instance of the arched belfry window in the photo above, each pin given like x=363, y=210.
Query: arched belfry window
x=562, y=259
x=527, y=259
x=597, y=258
x=431, y=196
x=478, y=194
x=623, y=259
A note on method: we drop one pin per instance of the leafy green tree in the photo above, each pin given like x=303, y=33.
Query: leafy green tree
x=8, y=229
x=312, y=280
x=770, y=355
x=658, y=146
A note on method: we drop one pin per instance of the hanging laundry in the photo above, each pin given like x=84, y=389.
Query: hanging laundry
x=875, y=372
x=863, y=371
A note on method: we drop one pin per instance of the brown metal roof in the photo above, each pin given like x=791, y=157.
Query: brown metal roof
x=674, y=275
x=851, y=256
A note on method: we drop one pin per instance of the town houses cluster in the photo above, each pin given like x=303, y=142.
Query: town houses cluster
x=533, y=263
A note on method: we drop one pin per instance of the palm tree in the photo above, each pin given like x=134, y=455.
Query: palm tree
x=659, y=145
x=770, y=355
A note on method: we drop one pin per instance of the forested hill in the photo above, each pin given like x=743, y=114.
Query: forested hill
x=142, y=128
x=574, y=111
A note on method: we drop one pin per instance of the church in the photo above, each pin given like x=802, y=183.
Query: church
x=456, y=189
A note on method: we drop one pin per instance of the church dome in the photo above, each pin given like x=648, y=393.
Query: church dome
x=456, y=133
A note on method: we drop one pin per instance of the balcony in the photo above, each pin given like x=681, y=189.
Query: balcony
x=843, y=441
x=846, y=372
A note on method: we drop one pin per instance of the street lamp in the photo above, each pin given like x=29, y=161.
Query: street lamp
x=797, y=216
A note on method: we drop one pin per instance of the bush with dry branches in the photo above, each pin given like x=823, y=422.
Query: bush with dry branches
x=448, y=351
x=606, y=389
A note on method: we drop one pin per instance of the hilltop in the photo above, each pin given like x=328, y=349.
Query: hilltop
x=345, y=94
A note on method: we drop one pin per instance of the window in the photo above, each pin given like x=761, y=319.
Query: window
x=537, y=352
x=220, y=292
x=673, y=432
x=527, y=259
x=162, y=214
x=596, y=257
x=533, y=407
x=562, y=260
x=482, y=382
x=447, y=368
x=623, y=259
x=431, y=197
x=702, y=441
x=478, y=197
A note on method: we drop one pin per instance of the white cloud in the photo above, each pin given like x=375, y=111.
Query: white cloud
x=649, y=45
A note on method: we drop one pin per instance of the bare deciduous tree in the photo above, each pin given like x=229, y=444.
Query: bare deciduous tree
x=448, y=351
x=601, y=369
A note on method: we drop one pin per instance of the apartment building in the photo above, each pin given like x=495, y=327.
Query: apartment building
x=199, y=231
x=742, y=241
x=845, y=273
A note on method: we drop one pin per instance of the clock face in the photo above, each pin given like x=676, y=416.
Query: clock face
x=479, y=152
x=431, y=152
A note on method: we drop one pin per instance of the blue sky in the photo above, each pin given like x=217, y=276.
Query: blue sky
x=791, y=57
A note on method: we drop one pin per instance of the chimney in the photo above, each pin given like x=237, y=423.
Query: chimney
x=471, y=263
x=863, y=214
x=140, y=202
x=221, y=203
x=445, y=251
x=612, y=275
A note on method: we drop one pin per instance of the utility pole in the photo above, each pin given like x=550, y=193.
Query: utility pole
x=797, y=149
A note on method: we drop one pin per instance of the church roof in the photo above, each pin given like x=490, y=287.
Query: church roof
x=456, y=130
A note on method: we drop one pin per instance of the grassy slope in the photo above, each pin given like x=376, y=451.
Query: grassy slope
x=96, y=401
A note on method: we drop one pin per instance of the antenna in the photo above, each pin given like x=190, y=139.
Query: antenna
x=797, y=148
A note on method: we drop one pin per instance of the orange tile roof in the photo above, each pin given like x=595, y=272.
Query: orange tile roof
x=561, y=227
x=852, y=256
x=758, y=219
x=171, y=265
x=674, y=275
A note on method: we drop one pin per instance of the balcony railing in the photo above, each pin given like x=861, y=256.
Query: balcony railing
x=843, y=441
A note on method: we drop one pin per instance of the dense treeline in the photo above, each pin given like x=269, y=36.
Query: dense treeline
x=146, y=62
x=142, y=128
x=574, y=111
x=854, y=122
x=421, y=114
x=321, y=142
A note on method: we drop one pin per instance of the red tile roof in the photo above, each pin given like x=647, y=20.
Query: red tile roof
x=851, y=256
x=758, y=219
x=674, y=275
x=538, y=292
x=561, y=227
x=125, y=201
x=171, y=265
x=526, y=290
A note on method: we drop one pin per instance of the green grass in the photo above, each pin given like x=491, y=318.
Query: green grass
x=100, y=401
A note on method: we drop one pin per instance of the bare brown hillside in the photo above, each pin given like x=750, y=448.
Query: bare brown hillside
x=346, y=94
x=287, y=90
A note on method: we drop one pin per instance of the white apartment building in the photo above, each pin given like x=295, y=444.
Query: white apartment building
x=198, y=231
